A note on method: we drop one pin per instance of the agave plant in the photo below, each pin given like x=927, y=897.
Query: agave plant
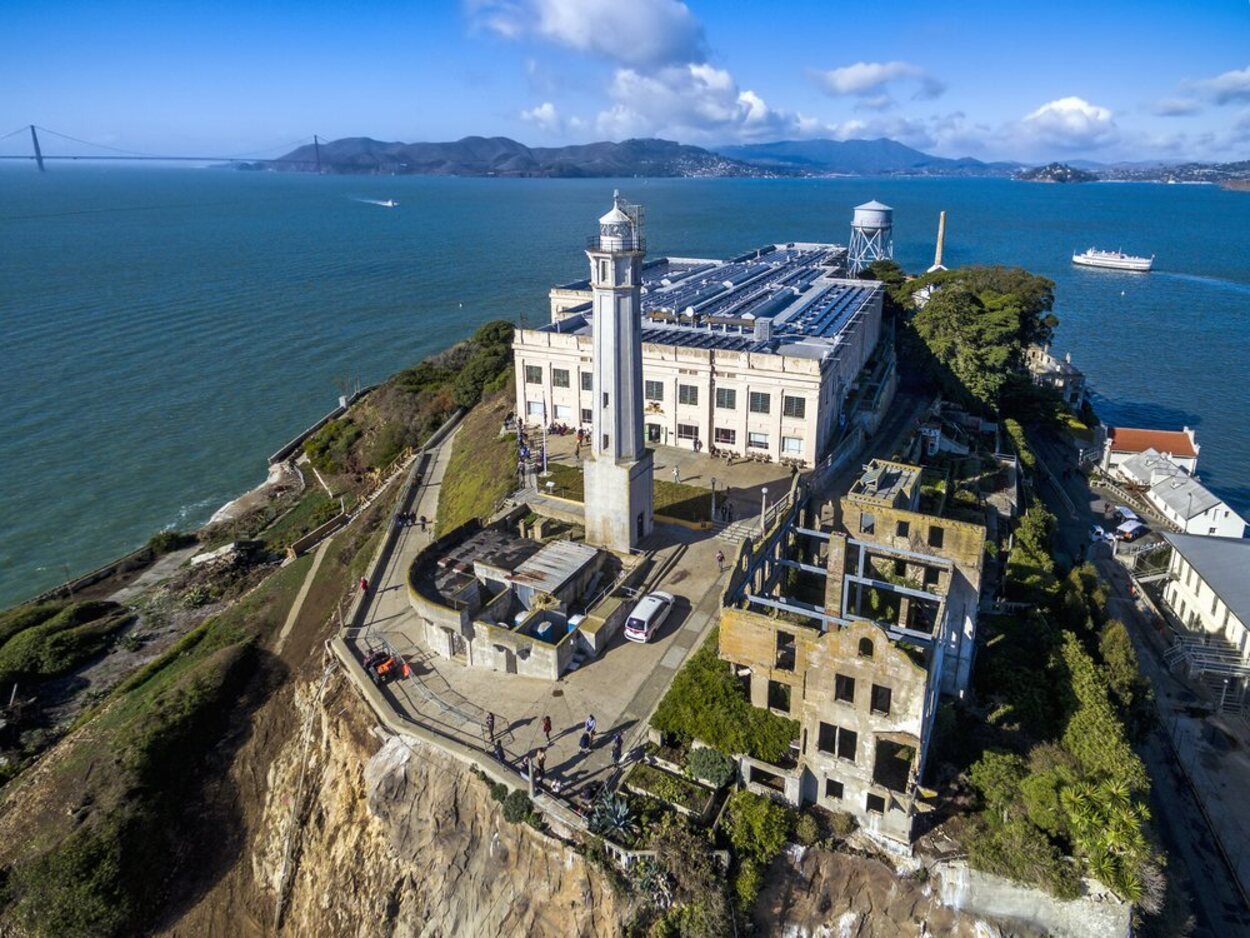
x=612, y=818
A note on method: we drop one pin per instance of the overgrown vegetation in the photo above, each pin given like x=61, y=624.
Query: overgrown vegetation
x=48, y=639
x=758, y=828
x=481, y=470
x=407, y=409
x=712, y=766
x=670, y=788
x=706, y=702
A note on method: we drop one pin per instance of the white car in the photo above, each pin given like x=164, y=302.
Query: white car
x=648, y=616
x=1099, y=534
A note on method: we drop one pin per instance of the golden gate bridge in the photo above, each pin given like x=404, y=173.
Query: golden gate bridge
x=117, y=153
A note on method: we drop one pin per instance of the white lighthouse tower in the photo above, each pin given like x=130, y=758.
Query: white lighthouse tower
x=618, y=476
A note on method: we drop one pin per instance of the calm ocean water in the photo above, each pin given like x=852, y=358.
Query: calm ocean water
x=165, y=329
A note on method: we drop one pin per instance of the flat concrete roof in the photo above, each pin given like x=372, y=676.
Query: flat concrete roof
x=495, y=548
x=883, y=482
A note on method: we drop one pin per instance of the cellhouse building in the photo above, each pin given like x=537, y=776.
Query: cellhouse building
x=755, y=356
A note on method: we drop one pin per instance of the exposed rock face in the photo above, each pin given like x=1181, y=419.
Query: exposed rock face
x=400, y=839
x=835, y=895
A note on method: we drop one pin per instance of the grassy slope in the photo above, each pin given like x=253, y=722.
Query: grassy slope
x=482, y=467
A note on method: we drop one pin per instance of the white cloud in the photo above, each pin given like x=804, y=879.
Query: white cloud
x=870, y=81
x=544, y=116
x=1071, y=123
x=694, y=102
x=634, y=33
x=1176, y=107
x=1230, y=87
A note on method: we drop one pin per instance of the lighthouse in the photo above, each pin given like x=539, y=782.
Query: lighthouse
x=618, y=476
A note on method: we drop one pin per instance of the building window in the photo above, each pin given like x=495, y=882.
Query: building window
x=900, y=568
x=827, y=738
x=757, y=440
x=605, y=398
x=865, y=648
x=563, y=412
x=588, y=381
x=880, y=700
x=726, y=398
x=606, y=441
x=760, y=403
x=534, y=408
x=936, y=535
x=792, y=445
x=559, y=377
x=903, y=529
x=653, y=390
x=931, y=575
x=779, y=696
x=847, y=741
x=687, y=431
x=533, y=374
x=793, y=406
x=867, y=523
x=785, y=651
x=1215, y=602
x=844, y=688
x=833, y=789
x=687, y=394
x=724, y=437
x=876, y=804
x=588, y=415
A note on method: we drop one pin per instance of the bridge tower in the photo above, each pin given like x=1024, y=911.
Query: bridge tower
x=34, y=138
x=317, y=153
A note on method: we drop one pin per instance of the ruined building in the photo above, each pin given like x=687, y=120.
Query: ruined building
x=854, y=628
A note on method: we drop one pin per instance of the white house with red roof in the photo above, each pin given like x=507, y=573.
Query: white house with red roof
x=1124, y=442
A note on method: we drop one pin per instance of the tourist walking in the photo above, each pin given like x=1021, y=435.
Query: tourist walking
x=490, y=726
x=583, y=744
x=617, y=744
x=677, y=474
x=499, y=757
x=720, y=561
x=590, y=727
x=364, y=585
x=547, y=729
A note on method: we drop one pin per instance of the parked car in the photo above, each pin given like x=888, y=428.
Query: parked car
x=1130, y=530
x=648, y=616
x=1123, y=513
x=1098, y=534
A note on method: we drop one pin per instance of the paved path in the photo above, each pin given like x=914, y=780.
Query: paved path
x=296, y=606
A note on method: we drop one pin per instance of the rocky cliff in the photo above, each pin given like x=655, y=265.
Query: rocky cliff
x=391, y=838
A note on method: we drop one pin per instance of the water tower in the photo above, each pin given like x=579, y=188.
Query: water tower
x=872, y=235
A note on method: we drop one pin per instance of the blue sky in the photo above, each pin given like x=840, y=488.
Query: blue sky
x=1101, y=80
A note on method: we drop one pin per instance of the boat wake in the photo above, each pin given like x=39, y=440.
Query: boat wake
x=1235, y=286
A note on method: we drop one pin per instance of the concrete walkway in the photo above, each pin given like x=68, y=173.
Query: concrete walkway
x=296, y=606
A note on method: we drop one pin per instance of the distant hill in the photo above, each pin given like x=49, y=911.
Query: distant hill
x=501, y=156
x=859, y=158
x=1055, y=172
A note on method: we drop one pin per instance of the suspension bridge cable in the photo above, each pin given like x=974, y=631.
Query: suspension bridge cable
x=13, y=133
x=102, y=146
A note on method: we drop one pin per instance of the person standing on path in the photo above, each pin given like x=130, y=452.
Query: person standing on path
x=583, y=744
x=364, y=585
x=677, y=474
x=720, y=561
x=547, y=729
x=540, y=759
x=617, y=744
x=490, y=726
x=499, y=757
x=590, y=727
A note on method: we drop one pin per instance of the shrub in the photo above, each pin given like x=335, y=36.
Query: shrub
x=757, y=826
x=612, y=818
x=806, y=829
x=842, y=823
x=1018, y=850
x=1094, y=733
x=712, y=765
x=706, y=702
x=747, y=884
x=165, y=541
x=499, y=791
x=517, y=806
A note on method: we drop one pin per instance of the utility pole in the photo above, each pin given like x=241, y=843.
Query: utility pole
x=316, y=152
x=34, y=138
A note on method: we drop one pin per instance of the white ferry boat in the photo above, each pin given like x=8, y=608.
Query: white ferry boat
x=1115, y=260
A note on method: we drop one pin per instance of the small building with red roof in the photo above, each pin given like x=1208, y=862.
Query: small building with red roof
x=1124, y=442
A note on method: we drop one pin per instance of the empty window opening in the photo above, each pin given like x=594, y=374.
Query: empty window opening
x=779, y=696
x=880, y=700
x=844, y=688
x=785, y=651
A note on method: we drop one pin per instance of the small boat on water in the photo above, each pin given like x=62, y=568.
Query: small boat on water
x=389, y=203
x=1113, y=260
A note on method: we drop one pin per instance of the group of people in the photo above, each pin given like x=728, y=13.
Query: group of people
x=409, y=518
x=537, y=762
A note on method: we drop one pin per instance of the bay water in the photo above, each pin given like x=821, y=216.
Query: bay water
x=163, y=330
